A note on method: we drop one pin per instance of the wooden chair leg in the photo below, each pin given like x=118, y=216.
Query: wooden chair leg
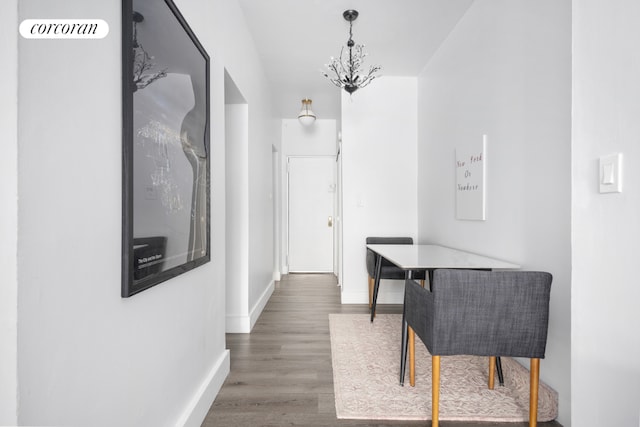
x=412, y=356
x=533, y=392
x=492, y=371
x=422, y=283
x=435, y=390
x=371, y=284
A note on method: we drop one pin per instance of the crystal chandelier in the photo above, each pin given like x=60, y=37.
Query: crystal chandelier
x=345, y=71
x=142, y=61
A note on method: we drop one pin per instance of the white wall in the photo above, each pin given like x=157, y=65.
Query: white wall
x=237, y=219
x=263, y=135
x=379, y=177
x=505, y=71
x=243, y=65
x=85, y=355
x=319, y=139
x=605, y=365
x=9, y=216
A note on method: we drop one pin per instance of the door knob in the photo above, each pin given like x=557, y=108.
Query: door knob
x=330, y=222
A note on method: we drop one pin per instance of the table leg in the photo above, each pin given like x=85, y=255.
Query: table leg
x=403, y=348
x=404, y=341
x=376, y=285
x=499, y=370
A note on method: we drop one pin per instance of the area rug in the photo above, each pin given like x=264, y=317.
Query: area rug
x=366, y=366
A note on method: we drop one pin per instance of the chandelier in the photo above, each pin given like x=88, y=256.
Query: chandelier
x=346, y=71
x=142, y=61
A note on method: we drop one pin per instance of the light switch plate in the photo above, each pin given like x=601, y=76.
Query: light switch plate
x=610, y=173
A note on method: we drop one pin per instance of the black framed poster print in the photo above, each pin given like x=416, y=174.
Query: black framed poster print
x=166, y=160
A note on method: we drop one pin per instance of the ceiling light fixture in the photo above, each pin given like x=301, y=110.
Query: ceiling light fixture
x=346, y=72
x=306, y=116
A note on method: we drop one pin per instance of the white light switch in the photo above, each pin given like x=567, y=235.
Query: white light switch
x=610, y=178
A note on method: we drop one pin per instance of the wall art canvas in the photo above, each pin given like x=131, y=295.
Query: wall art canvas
x=166, y=157
x=470, y=181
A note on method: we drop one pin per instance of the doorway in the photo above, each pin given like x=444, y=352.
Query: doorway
x=311, y=214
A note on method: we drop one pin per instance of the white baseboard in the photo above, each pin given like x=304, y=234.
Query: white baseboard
x=390, y=292
x=244, y=324
x=390, y=297
x=237, y=324
x=256, y=310
x=199, y=406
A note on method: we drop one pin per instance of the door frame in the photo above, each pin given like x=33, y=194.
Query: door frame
x=285, y=211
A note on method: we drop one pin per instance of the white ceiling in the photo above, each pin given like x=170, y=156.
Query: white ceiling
x=296, y=38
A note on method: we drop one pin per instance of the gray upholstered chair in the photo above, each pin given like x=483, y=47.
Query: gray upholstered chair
x=481, y=313
x=388, y=270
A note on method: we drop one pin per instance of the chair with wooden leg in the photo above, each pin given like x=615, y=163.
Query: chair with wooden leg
x=481, y=313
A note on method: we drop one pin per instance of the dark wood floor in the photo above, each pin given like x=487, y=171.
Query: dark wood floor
x=281, y=373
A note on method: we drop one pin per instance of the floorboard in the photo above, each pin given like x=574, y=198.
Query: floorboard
x=281, y=373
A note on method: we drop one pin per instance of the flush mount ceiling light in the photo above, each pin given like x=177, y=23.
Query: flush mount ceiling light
x=306, y=116
x=345, y=71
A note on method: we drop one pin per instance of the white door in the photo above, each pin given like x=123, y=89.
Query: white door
x=311, y=214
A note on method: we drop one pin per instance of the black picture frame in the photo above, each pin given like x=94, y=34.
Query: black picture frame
x=165, y=146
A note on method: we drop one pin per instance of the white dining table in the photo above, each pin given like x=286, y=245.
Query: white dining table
x=412, y=258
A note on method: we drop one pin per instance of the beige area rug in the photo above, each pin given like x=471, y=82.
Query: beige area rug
x=366, y=366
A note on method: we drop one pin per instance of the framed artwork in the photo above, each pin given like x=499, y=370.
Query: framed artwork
x=470, y=181
x=166, y=157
